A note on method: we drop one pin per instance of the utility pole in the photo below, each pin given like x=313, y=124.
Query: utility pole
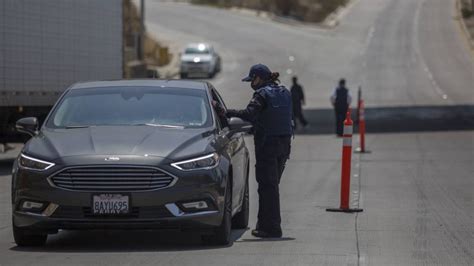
x=141, y=38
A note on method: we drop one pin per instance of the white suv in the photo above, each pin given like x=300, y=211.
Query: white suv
x=199, y=59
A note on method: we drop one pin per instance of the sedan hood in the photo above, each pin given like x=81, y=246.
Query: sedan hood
x=118, y=140
x=190, y=57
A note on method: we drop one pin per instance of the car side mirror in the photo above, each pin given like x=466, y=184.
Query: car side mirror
x=27, y=125
x=237, y=125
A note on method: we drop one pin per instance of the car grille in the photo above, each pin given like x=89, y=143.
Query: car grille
x=112, y=179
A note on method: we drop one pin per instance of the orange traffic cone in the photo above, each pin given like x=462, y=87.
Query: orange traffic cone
x=362, y=149
x=346, y=167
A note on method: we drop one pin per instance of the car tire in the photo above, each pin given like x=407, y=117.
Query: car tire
x=241, y=219
x=222, y=234
x=211, y=75
x=26, y=238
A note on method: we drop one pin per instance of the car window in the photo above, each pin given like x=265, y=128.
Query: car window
x=222, y=119
x=217, y=97
x=133, y=106
x=196, y=50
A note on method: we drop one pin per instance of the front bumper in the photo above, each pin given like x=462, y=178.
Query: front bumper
x=34, y=222
x=156, y=209
x=196, y=68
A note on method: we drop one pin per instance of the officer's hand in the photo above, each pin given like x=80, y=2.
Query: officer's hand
x=219, y=110
x=230, y=114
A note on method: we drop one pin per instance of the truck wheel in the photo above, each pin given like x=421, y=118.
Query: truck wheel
x=223, y=232
x=25, y=238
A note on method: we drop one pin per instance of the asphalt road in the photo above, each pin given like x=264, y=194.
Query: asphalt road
x=415, y=187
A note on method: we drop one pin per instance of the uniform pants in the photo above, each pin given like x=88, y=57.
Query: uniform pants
x=340, y=117
x=298, y=114
x=271, y=157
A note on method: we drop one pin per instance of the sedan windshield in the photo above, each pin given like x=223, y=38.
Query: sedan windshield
x=196, y=50
x=134, y=106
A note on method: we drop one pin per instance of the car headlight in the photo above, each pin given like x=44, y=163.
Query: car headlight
x=33, y=163
x=204, y=162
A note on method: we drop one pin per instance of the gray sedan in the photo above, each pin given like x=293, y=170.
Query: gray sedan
x=142, y=154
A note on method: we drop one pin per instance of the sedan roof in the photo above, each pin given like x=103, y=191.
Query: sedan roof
x=173, y=83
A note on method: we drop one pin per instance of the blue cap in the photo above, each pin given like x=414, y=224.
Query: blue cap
x=258, y=70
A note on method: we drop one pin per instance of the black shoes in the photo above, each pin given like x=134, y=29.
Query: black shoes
x=264, y=234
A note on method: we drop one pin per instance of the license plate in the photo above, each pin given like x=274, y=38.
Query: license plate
x=110, y=204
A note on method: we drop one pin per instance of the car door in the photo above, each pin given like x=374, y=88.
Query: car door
x=238, y=154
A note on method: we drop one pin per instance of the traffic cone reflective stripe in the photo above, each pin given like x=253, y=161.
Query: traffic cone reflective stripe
x=347, y=136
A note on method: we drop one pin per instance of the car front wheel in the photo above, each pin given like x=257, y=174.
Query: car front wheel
x=26, y=238
x=223, y=232
x=241, y=219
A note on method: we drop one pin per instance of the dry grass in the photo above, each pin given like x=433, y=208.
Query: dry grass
x=304, y=10
x=468, y=15
x=154, y=53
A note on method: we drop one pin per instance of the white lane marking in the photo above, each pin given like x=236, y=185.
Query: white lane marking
x=362, y=259
x=434, y=84
x=370, y=35
x=368, y=40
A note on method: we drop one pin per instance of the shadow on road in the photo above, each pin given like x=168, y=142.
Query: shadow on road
x=397, y=119
x=125, y=241
x=267, y=239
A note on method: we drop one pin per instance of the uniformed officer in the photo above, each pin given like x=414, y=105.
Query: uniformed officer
x=270, y=112
x=341, y=100
x=297, y=96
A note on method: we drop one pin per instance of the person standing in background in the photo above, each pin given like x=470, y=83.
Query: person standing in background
x=297, y=96
x=341, y=100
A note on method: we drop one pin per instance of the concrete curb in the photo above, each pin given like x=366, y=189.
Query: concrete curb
x=463, y=26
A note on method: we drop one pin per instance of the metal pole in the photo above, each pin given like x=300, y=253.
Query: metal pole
x=359, y=97
x=141, y=44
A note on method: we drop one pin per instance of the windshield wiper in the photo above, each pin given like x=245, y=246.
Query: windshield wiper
x=159, y=125
x=78, y=126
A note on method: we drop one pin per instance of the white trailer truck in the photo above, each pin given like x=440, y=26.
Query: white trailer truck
x=47, y=45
